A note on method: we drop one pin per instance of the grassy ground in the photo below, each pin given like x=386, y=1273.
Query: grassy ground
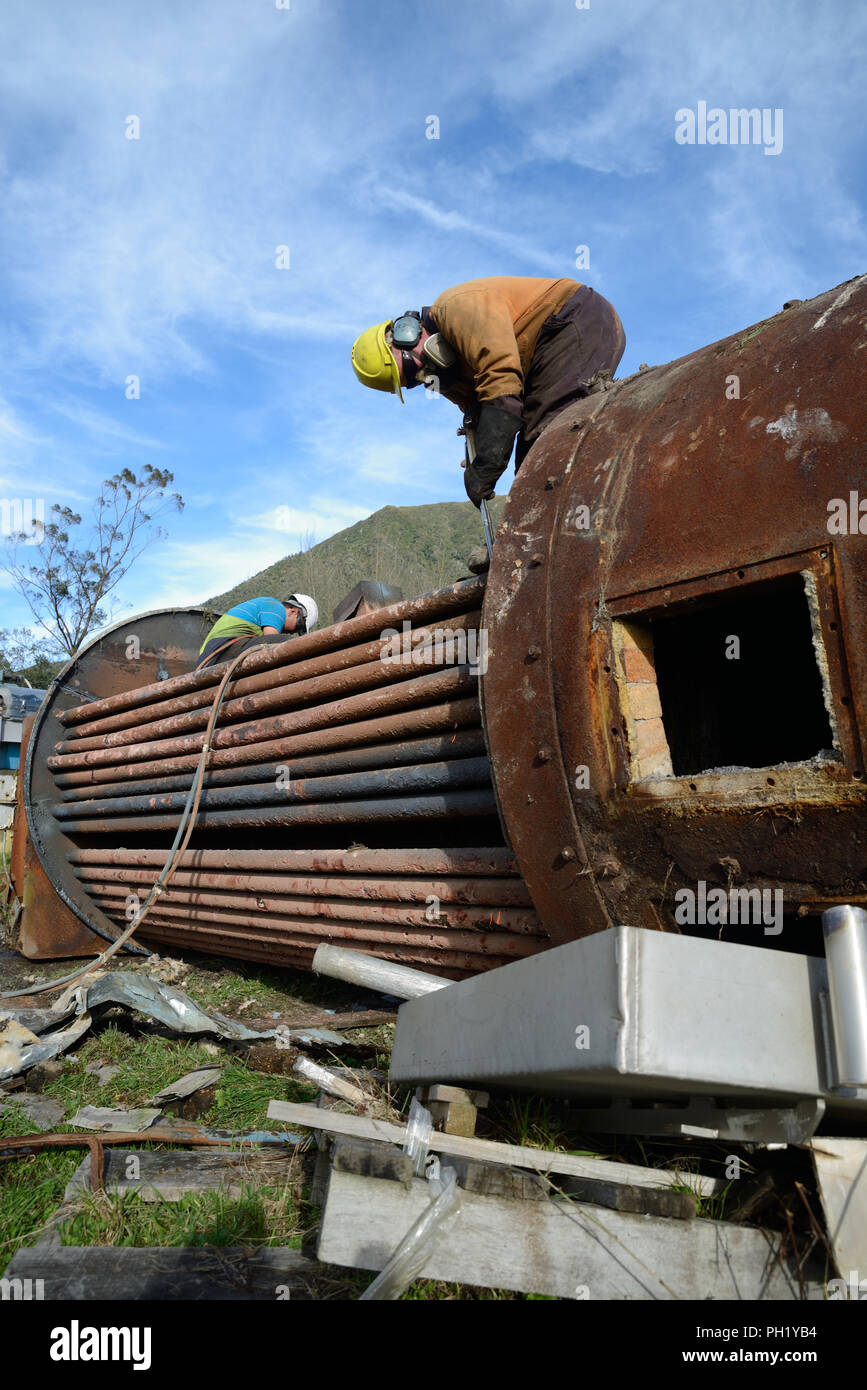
x=32, y=1187
x=147, y=1064
x=260, y=1216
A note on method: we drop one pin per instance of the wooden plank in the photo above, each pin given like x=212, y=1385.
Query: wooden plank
x=207, y=1272
x=539, y=1160
x=624, y=1197
x=167, y=1177
x=453, y=1117
x=841, y=1168
x=558, y=1248
x=453, y=1109
x=495, y=1180
x=370, y=1159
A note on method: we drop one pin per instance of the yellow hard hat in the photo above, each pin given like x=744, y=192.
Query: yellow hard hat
x=373, y=360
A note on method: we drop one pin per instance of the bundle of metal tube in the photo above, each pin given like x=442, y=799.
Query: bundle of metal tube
x=368, y=731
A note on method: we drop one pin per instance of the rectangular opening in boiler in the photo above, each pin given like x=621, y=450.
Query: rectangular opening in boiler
x=738, y=680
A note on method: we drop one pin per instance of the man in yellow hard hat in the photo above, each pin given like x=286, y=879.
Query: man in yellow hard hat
x=512, y=350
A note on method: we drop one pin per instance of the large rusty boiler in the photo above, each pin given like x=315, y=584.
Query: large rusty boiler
x=348, y=795
x=677, y=616
x=672, y=702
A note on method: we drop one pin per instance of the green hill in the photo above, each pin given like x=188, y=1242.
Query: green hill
x=416, y=548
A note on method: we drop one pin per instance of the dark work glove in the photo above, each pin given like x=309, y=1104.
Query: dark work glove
x=495, y=435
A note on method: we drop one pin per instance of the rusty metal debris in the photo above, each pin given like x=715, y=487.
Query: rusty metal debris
x=21, y=1048
x=43, y=918
x=187, y=1085
x=111, y=1119
x=164, y=1003
x=29, y=1036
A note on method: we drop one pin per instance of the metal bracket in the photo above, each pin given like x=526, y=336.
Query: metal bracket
x=81, y=695
x=703, y=1118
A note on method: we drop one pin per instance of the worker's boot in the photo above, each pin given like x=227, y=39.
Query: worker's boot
x=478, y=560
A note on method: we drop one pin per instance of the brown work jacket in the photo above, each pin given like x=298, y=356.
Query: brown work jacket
x=493, y=324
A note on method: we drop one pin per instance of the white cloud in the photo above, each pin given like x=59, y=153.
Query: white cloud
x=152, y=255
x=14, y=431
x=322, y=518
x=184, y=573
x=30, y=462
x=101, y=427
x=482, y=227
x=406, y=466
x=135, y=253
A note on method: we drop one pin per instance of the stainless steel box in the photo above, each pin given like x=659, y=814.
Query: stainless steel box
x=632, y=1013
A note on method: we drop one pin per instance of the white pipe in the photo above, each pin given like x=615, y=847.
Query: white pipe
x=845, y=932
x=328, y=1081
x=358, y=968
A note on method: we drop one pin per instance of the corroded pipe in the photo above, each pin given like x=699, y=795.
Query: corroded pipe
x=461, y=772
x=487, y=892
x=438, y=806
x=262, y=907
x=451, y=650
x=296, y=931
x=400, y=695
x=462, y=744
x=214, y=942
x=445, y=716
x=319, y=746
x=495, y=861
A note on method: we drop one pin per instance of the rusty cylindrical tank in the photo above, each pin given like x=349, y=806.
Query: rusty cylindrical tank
x=677, y=620
x=44, y=925
x=149, y=648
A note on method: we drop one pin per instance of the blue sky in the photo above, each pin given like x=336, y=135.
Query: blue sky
x=306, y=126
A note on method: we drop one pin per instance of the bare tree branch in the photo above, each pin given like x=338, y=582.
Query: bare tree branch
x=66, y=587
